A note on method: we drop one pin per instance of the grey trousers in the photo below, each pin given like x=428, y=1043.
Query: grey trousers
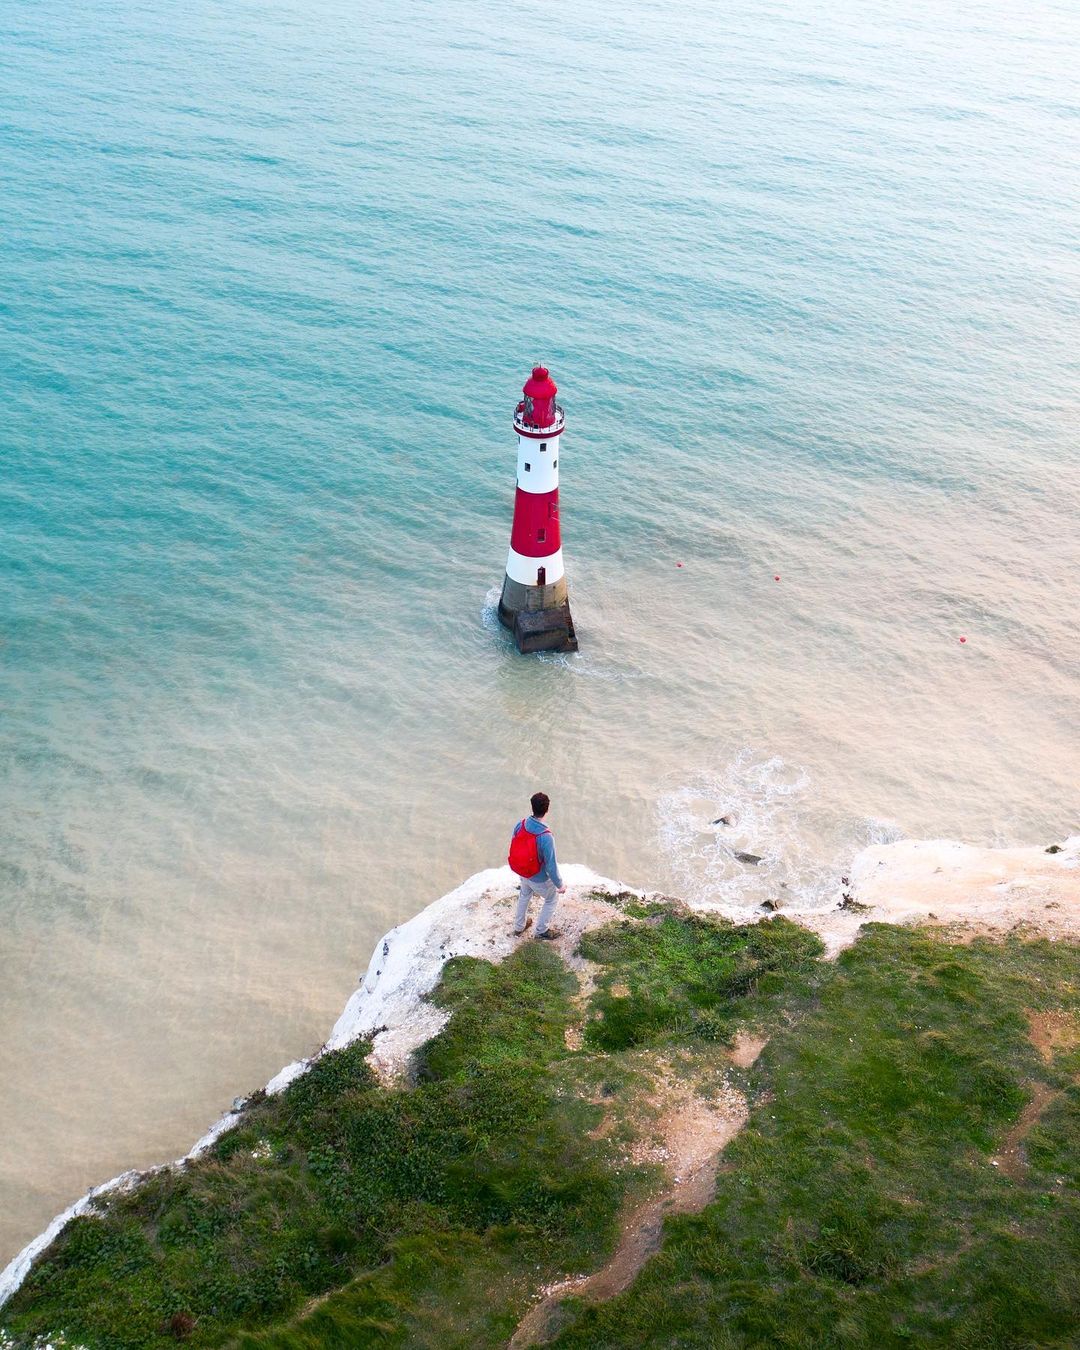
x=528, y=888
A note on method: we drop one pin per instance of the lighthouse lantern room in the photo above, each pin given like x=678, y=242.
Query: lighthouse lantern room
x=534, y=604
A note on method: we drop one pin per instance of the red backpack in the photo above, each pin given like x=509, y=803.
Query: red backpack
x=524, y=856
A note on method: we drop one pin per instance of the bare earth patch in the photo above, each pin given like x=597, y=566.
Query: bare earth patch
x=1048, y=1033
x=746, y=1049
x=1053, y=1031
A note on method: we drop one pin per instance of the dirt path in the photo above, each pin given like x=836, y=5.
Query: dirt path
x=1011, y=1159
x=1048, y=1032
x=688, y=1135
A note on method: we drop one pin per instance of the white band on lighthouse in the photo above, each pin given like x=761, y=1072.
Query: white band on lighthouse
x=520, y=568
x=538, y=469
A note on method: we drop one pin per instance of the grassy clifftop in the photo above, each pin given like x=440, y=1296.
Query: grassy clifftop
x=907, y=1173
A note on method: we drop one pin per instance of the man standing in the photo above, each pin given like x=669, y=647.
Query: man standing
x=532, y=857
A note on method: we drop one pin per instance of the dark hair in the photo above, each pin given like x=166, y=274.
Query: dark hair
x=539, y=802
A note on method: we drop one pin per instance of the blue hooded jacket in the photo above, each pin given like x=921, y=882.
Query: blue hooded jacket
x=549, y=868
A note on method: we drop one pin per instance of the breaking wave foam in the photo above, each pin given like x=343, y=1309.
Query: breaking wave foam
x=763, y=808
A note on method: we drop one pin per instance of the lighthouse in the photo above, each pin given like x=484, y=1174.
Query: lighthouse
x=534, y=603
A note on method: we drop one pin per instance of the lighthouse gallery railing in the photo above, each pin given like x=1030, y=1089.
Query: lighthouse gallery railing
x=522, y=425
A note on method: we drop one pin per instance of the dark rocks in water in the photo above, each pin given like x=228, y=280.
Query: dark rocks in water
x=747, y=857
x=845, y=881
x=852, y=905
x=1054, y=848
x=722, y=820
x=771, y=905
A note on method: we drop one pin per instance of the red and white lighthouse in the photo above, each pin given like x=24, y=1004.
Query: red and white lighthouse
x=534, y=601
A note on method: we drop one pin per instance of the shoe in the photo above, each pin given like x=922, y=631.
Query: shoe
x=550, y=934
x=518, y=931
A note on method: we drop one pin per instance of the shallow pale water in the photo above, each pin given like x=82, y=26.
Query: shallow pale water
x=271, y=279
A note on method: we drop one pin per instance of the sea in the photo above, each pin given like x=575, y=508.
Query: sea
x=271, y=278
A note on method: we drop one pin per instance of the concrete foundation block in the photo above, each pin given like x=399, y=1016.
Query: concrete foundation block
x=545, y=630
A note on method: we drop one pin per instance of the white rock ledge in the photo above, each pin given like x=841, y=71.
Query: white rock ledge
x=941, y=882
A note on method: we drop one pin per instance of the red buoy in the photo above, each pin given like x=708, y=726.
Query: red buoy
x=963, y=639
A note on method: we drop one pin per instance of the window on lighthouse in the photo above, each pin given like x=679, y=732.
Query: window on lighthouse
x=528, y=468
x=541, y=536
x=543, y=445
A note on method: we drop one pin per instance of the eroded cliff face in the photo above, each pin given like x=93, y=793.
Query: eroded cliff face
x=476, y=919
x=939, y=879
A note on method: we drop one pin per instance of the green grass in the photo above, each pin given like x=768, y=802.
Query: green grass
x=687, y=975
x=860, y=1206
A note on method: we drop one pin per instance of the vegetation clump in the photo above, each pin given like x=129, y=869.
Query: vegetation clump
x=687, y=975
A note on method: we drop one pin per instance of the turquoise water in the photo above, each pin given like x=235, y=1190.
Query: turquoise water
x=272, y=276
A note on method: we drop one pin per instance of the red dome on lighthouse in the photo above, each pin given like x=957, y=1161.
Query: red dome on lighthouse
x=540, y=390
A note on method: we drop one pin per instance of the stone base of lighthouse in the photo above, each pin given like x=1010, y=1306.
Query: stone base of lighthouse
x=538, y=616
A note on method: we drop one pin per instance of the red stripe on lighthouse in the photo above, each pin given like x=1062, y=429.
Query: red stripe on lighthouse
x=536, y=524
